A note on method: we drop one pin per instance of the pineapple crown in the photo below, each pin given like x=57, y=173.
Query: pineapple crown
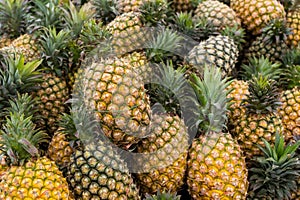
x=92, y=35
x=200, y=30
x=75, y=18
x=291, y=72
x=274, y=176
x=17, y=77
x=262, y=66
x=163, y=196
x=236, y=33
x=67, y=126
x=54, y=49
x=264, y=95
x=19, y=136
x=25, y=103
x=276, y=31
x=155, y=12
x=106, y=10
x=163, y=44
x=45, y=14
x=183, y=23
x=167, y=87
x=212, y=96
x=13, y=17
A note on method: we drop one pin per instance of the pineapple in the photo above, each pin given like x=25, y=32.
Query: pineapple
x=272, y=42
x=162, y=164
x=96, y=170
x=217, y=13
x=290, y=96
x=261, y=118
x=115, y=92
x=216, y=167
x=28, y=175
x=26, y=45
x=274, y=175
x=54, y=91
x=130, y=31
x=255, y=14
x=37, y=15
x=62, y=143
x=216, y=50
x=293, y=22
x=240, y=88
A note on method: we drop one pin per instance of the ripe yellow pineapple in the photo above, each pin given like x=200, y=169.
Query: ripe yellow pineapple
x=130, y=31
x=25, y=45
x=116, y=93
x=216, y=166
x=53, y=91
x=261, y=118
x=162, y=164
x=255, y=14
x=28, y=175
x=217, y=13
x=238, y=93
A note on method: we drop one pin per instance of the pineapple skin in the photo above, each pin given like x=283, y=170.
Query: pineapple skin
x=216, y=168
x=273, y=51
x=128, y=33
x=53, y=94
x=115, y=92
x=217, y=13
x=182, y=5
x=220, y=51
x=59, y=149
x=168, y=138
x=125, y=6
x=25, y=45
x=5, y=41
x=239, y=92
x=255, y=14
x=293, y=21
x=251, y=128
x=40, y=179
x=98, y=172
x=290, y=113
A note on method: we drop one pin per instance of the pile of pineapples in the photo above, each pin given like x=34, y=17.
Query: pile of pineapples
x=150, y=99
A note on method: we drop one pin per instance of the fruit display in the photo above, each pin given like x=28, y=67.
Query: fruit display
x=150, y=99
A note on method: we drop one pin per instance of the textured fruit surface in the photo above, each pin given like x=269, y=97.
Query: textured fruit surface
x=216, y=168
x=40, y=179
